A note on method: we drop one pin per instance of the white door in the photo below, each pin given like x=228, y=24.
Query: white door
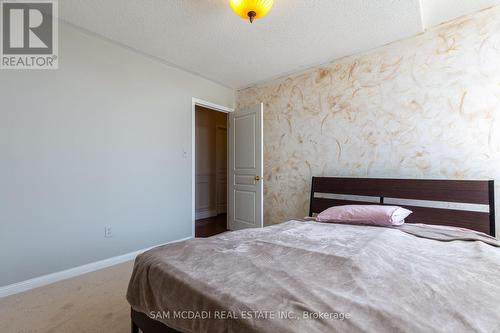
x=246, y=167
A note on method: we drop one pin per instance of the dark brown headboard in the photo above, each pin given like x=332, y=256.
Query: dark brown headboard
x=457, y=191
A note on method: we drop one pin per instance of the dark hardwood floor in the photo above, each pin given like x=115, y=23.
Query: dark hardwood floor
x=211, y=226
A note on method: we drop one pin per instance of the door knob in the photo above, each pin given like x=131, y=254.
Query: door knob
x=257, y=178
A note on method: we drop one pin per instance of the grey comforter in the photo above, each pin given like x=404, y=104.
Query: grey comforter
x=315, y=277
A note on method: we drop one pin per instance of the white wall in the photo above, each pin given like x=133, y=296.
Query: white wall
x=97, y=143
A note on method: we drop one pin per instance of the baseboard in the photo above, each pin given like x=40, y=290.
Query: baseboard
x=72, y=272
x=205, y=213
x=221, y=209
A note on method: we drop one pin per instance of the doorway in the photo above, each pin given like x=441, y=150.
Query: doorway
x=239, y=192
x=211, y=166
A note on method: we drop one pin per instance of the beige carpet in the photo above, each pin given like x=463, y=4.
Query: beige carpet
x=94, y=302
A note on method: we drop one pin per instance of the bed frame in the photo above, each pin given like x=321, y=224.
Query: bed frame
x=450, y=191
x=146, y=324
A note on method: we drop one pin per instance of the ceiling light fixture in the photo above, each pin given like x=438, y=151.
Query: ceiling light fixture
x=251, y=9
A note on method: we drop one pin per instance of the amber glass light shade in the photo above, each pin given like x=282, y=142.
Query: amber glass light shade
x=251, y=9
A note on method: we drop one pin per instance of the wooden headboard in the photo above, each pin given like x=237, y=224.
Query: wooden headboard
x=451, y=191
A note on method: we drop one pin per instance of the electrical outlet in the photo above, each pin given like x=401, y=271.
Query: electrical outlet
x=108, y=232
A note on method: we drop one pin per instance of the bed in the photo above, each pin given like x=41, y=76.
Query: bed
x=437, y=273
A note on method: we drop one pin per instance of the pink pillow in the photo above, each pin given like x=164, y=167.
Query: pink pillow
x=365, y=214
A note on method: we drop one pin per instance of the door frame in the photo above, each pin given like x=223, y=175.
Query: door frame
x=212, y=106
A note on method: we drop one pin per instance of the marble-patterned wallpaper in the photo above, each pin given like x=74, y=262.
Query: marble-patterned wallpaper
x=425, y=107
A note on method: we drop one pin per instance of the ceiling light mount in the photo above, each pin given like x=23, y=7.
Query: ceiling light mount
x=251, y=9
x=252, y=15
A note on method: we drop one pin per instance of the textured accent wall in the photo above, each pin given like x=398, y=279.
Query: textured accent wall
x=425, y=107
